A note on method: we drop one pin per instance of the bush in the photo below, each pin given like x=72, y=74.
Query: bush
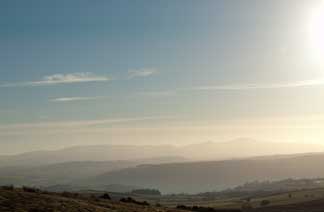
x=8, y=187
x=264, y=202
x=131, y=200
x=205, y=209
x=147, y=192
x=183, y=207
x=105, y=196
x=35, y=210
x=30, y=189
x=144, y=203
x=69, y=194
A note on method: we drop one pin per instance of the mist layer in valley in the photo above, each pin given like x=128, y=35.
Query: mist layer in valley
x=171, y=169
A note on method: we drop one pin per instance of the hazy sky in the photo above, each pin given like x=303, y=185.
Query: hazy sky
x=164, y=71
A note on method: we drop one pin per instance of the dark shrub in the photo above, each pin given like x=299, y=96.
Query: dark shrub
x=35, y=210
x=147, y=192
x=144, y=203
x=183, y=207
x=205, y=209
x=264, y=202
x=105, y=196
x=131, y=200
x=30, y=189
x=127, y=200
x=8, y=187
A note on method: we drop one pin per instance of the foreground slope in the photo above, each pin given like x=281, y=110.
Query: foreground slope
x=310, y=206
x=20, y=201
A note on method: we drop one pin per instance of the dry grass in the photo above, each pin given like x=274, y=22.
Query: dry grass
x=18, y=200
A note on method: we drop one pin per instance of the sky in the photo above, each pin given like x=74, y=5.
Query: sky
x=175, y=72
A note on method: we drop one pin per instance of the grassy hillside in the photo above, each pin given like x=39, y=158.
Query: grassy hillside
x=18, y=200
x=310, y=206
x=187, y=177
x=33, y=200
x=68, y=172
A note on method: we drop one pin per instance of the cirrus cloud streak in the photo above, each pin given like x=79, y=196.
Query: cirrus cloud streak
x=144, y=72
x=55, y=79
x=305, y=83
x=72, y=99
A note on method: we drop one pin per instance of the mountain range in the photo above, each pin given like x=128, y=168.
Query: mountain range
x=238, y=148
x=193, y=177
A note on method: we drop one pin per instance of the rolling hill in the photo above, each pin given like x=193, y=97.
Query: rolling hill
x=22, y=201
x=169, y=170
x=193, y=177
x=69, y=172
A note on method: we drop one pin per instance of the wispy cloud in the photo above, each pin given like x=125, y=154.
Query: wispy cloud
x=61, y=79
x=158, y=93
x=306, y=83
x=144, y=72
x=236, y=87
x=77, y=124
x=71, y=99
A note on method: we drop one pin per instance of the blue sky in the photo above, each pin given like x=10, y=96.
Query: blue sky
x=159, y=62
